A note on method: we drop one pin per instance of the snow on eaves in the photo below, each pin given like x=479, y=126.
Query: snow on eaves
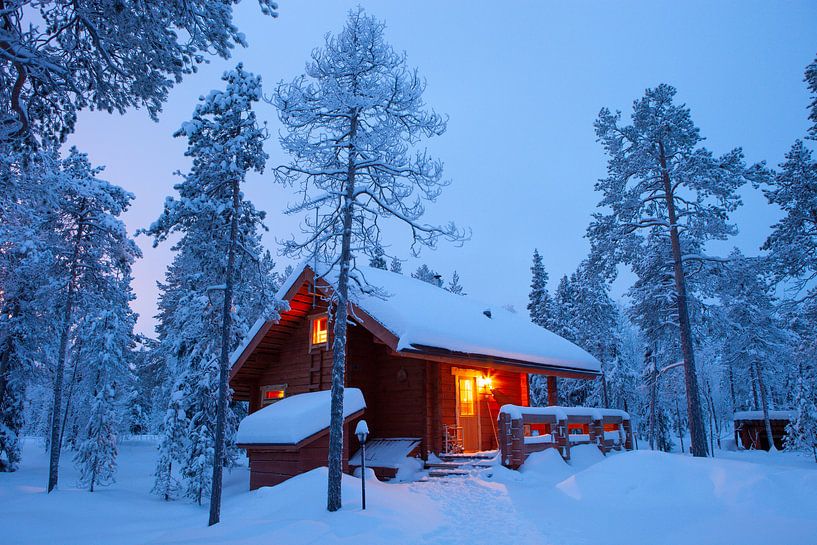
x=295, y=418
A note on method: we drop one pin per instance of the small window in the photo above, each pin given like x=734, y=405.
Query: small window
x=319, y=331
x=272, y=393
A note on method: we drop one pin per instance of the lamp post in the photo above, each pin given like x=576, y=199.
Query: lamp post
x=362, y=432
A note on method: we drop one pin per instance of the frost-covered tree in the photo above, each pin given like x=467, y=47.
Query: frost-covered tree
x=454, y=285
x=27, y=327
x=754, y=336
x=378, y=259
x=539, y=303
x=107, y=344
x=219, y=258
x=396, y=266
x=94, y=255
x=661, y=180
x=811, y=82
x=352, y=123
x=801, y=433
x=428, y=275
x=792, y=244
x=59, y=57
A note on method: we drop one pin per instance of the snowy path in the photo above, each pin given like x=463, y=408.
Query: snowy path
x=477, y=512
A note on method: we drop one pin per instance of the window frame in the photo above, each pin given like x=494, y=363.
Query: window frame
x=312, y=321
x=265, y=402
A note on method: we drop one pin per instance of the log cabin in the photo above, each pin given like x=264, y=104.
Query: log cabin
x=433, y=367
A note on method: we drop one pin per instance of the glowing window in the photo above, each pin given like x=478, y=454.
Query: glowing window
x=320, y=330
x=273, y=393
x=467, y=397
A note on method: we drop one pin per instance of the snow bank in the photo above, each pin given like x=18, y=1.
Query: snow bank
x=562, y=413
x=758, y=415
x=295, y=418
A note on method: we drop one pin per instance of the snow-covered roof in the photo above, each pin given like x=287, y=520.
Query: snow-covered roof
x=422, y=316
x=294, y=418
x=758, y=415
x=562, y=413
x=388, y=452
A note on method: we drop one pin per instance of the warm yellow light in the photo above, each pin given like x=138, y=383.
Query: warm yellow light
x=319, y=330
x=484, y=382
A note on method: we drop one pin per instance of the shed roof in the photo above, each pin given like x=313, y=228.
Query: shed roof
x=295, y=418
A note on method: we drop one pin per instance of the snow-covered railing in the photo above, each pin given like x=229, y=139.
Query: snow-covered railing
x=524, y=430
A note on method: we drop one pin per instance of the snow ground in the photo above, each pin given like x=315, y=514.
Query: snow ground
x=631, y=498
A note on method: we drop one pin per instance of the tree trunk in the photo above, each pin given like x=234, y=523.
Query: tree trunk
x=680, y=428
x=224, y=363
x=334, y=501
x=697, y=432
x=62, y=355
x=753, y=381
x=653, y=401
x=732, y=386
x=765, y=404
x=605, y=397
x=70, y=392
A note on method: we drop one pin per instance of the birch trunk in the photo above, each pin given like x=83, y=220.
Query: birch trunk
x=224, y=362
x=62, y=355
x=334, y=500
x=697, y=431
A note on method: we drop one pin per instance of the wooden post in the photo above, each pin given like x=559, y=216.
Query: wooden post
x=553, y=392
x=517, y=444
x=628, y=434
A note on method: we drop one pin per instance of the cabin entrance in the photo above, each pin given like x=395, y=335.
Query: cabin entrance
x=468, y=412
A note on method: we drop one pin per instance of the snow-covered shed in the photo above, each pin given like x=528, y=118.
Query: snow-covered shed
x=750, y=429
x=291, y=436
x=432, y=365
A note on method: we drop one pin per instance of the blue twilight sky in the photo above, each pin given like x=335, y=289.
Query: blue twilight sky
x=522, y=83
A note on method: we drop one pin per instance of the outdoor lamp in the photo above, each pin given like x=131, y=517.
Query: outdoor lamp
x=362, y=432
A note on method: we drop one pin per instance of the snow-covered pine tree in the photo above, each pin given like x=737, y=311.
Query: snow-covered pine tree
x=660, y=179
x=95, y=254
x=539, y=310
x=454, y=285
x=26, y=257
x=754, y=336
x=539, y=302
x=378, y=259
x=428, y=275
x=107, y=343
x=352, y=123
x=792, y=244
x=60, y=57
x=217, y=284
x=396, y=266
x=801, y=433
x=811, y=82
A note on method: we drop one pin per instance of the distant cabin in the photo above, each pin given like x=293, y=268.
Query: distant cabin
x=750, y=429
x=432, y=369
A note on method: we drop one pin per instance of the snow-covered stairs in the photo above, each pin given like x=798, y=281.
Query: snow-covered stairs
x=458, y=465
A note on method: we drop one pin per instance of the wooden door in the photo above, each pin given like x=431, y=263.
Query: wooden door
x=468, y=412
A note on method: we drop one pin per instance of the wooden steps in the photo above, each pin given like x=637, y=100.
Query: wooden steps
x=459, y=465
